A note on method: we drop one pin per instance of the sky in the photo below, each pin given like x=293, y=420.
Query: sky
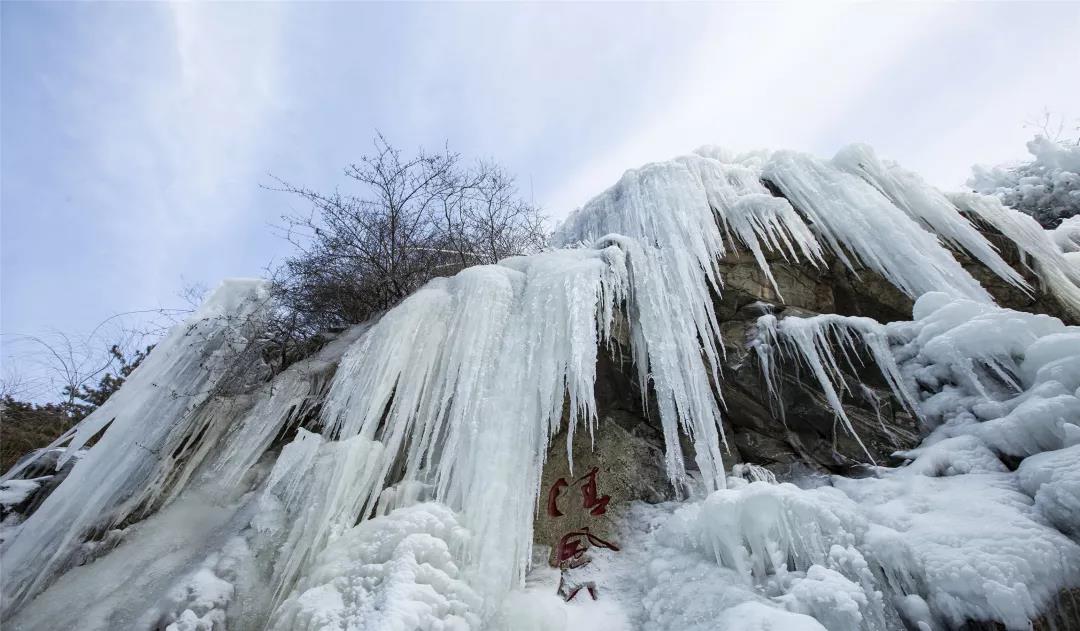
x=136, y=139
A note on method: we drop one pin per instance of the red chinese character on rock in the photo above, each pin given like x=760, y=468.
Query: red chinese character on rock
x=570, y=552
x=590, y=496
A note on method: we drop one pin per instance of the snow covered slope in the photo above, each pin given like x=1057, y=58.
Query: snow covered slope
x=401, y=492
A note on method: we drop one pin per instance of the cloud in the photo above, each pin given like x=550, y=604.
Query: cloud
x=135, y=135
x=762, y=77
x=935, y=86
x=132, y=138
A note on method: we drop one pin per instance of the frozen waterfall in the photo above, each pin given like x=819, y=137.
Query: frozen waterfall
x=391, y=480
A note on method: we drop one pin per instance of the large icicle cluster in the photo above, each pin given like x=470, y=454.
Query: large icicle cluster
x=477, y=364
x=407, y=499
x=150, y=419
x=950, y=536
x=1053, y=253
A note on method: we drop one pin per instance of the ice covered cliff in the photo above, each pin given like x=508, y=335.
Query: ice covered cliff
x=400, y=478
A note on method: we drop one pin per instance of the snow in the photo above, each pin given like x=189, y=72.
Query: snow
x=752, y=616
x=1047, y=187
x=15, y=492
x=829, y=597
x=969, y=544
x=1053, y=479
x=207, y=596
x=406, y=500
x=669, y=576
x=399, y=571
x=930, y=543
x=955, y=526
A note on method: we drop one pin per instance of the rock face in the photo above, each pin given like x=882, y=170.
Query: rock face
x=622, y=462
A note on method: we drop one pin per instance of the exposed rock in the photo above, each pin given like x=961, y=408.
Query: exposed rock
x=1062, y=615
x=39, y=479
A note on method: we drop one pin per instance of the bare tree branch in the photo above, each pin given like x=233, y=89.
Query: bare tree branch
x=411, y=218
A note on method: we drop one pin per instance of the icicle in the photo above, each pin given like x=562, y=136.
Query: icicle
x=753, y=473
x=812, y=340
x=927, y=205
x=672, y=242
x=1062, y=277
x=852, y=216
x=316, y=491
x=461, y=387
x=151, y=415
x=1067, y=235
x=454, y=395
x=289, y=396
x=751, y=215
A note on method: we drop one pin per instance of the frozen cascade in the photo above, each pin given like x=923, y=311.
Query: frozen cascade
x=951, y=535
x=148, y=420
x=408, y=502
x=853, y=216
x=479, y=364
x=925, y=204
x=992, y=383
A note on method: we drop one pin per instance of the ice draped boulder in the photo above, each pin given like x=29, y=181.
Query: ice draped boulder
x=746, y=391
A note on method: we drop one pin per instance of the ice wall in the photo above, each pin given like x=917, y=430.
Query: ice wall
x=451, y=399
x=148, y=419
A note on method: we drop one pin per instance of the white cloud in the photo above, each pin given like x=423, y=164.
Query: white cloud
x=765, y=76
x=817, y=76
x=180, y=151
x=145, y=129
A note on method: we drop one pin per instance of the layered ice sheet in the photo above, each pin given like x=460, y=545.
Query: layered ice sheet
x=151, y=417
x=408, y=500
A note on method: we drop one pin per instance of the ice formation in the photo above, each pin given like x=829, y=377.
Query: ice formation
x=1049, y=250
x=955, y=523
x=398, y=491
x=149, y=421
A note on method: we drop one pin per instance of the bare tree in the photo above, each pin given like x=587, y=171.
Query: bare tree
x=193, y=293
x=65, y=363
x=44, y=365
x=414, y=217
x=1053, y=126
